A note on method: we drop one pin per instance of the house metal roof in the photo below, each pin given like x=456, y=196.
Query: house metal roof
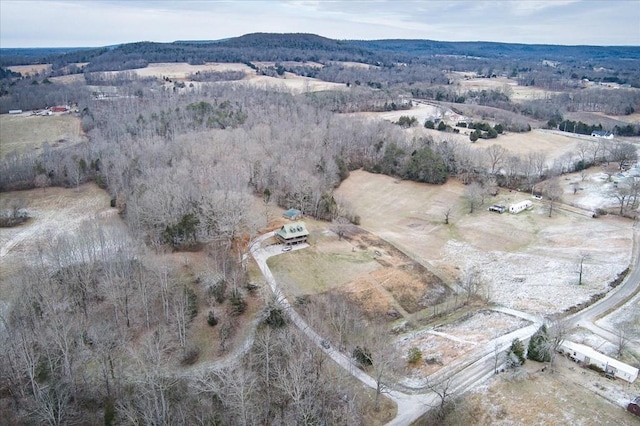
x=293, y=230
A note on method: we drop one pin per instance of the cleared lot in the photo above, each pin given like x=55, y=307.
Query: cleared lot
x=526, y=261
x=58, y=212
x=23, y=132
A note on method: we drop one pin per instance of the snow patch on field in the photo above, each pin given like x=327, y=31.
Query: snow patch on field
x=443, y=344
x=626, y=318
x=536, y=282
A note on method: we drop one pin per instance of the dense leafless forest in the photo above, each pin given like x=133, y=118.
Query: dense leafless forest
x=101, y=332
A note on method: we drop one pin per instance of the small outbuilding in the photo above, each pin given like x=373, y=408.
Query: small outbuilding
x=589, y=356
x=294, y=233
x=522, y=205
x=292, y=214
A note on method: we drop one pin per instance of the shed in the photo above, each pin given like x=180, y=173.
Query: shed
x=294, y=233
x=590, y=356
x=292, y=214
x=522, y=205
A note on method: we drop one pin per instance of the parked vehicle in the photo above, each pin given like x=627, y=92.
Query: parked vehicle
x=497, y=208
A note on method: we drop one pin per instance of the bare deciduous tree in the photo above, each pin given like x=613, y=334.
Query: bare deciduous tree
x=496, y=154
x=445, y=393
x=553, y=193
x=622, y=340
x=42, y=181
x=447, y=215
x=474, y=192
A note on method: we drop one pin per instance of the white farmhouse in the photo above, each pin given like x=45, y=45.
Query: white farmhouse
x=522, y=205
x=602, y=134
x=590, y=356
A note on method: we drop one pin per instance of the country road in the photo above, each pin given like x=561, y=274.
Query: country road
x=471, y=369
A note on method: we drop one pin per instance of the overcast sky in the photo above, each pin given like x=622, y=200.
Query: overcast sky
x=71, y=23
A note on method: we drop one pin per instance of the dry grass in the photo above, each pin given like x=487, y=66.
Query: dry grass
x=181, y=71
x=562, y=398
x=371, y=272
x=516, y=93
x=54, y=212
x=30, y=69
x=24, y=132
x=527, y=260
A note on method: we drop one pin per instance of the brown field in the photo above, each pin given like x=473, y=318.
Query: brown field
x=523, y=258
x=291, y=83
x=511, y=87
x=30, y=69
x=565, y=397
x=287, y=64
x=348, y=64
x=181, y=71
x=24, y=132
x=369, y=271
x=447, y=342
x=553, y=143
x=54, y=212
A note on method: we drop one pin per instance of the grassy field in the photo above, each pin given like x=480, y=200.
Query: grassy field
x=527, y=261
x=22, y=132
x=567, y=397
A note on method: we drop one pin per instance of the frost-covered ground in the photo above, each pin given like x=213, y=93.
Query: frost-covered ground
x=67, y=226
x=627, y=318
x=535, y=279
x=598, y=189
x=443, y=344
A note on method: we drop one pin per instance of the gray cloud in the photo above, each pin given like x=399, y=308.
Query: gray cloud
x=106, y=22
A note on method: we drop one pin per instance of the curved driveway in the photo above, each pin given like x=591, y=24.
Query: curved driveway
x=466, y=372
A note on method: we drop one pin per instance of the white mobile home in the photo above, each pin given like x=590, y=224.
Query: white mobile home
x=522, y=205
x=590, y=356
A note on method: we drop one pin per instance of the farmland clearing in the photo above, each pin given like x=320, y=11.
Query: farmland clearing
x=523, y=259
x=517, y=93
x=25, y=132
x=58, y=213
x=566, y=395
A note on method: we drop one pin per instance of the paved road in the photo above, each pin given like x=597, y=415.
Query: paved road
x=469, y=370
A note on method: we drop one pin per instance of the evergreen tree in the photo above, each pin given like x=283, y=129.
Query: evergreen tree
x=515, y=355
x=539, y=346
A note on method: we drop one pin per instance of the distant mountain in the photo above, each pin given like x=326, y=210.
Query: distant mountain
x=305, y=47
x=484, y=49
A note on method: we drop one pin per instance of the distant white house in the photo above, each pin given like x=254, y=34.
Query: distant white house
x=590, y=356
x=602, y=134
x=522, y=205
